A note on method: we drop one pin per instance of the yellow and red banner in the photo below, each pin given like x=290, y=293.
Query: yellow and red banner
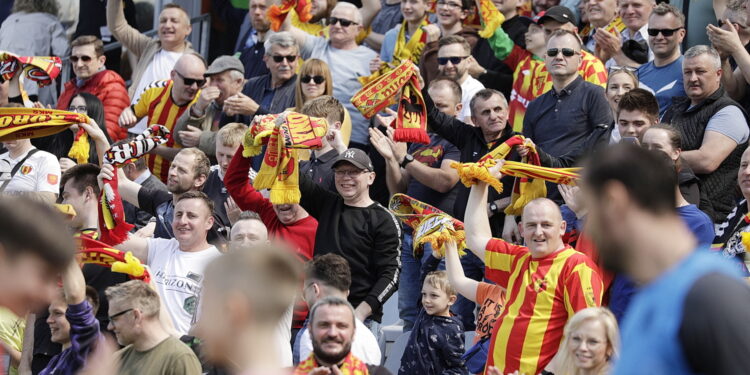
x=92, y=251
x=21, y=123
x=278, y=13
x=430, y=224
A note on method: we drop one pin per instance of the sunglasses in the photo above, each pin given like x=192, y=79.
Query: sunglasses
x=343, y=22
x=665, y=32
x=616, y=68
x=455, y=60
x=279, y=58
x=74, y=59
x=191, y=81
x=317, y=79
x=567, y=52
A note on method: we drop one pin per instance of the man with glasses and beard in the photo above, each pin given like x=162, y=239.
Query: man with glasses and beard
x=332, y=325
x=164, y=102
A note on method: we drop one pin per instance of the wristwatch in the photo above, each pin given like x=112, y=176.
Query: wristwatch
x=408, y=158
x=493, y=208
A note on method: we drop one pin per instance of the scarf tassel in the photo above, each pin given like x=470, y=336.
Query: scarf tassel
x=80, y=149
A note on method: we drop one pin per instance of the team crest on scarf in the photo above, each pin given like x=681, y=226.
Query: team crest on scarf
x=351, y=365
x=430, y=224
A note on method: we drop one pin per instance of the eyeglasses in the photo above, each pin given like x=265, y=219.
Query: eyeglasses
x=343, y=22
x=74, y=59
x=617, y=68
x=79, y=109
x=665, y=32
x=317, y=79
x=567, y=52
x=349, y=173
x=449, y=5
x=455, y=60
x=112, y=317
x=191, y=81
x=280, y=58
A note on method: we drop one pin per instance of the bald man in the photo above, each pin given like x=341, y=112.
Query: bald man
x=546, y=281
x=164, y=102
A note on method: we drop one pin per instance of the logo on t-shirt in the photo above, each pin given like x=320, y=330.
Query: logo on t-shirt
x=26, y=169
x=51, y=178
x=190, y=305
x=194, y=276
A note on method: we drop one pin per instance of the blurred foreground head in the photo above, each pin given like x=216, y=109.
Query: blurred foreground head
x=245, y=294
x=35, y=246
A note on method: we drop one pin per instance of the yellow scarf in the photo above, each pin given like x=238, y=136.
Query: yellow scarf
x=430, y=225
x=490, y=18
x=277, y=14
x=21, y=123
x=351, y=365
x=282, y=134
x=79, y=150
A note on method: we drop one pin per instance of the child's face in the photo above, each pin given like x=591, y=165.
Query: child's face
x=435, y=301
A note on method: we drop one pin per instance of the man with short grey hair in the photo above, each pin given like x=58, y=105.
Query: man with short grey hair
x=714, y=130
x=273, y=92
x=198, y=126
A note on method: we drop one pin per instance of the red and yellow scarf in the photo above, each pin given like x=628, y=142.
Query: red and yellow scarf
x=402, y=82
x=277, y=14
x=92, y=251
x=41, y=69
x=430, y=224
x=21, y=123
x=282, y=134
x=530, y=174
x=351, y=365
x=112, y=222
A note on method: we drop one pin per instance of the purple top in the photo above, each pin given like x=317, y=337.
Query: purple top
x=84, y=333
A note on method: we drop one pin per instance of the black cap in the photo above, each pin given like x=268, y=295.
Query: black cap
x=356, y=157
x=560, y=14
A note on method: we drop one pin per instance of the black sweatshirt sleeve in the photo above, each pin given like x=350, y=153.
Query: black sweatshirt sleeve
x=448, y=127
x=715, y=334
x=387, y=259
x=149, y=199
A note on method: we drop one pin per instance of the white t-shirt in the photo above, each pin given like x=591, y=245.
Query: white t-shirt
x=468, y=89
x=284, y=338
x=178, y=275
x=365, y=345
x=159, y=69
x=40, y=172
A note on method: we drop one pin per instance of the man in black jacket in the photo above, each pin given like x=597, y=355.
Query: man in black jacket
x=354, y=226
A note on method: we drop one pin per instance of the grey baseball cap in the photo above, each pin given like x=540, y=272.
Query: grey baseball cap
x=224, y=63
x=356, y=157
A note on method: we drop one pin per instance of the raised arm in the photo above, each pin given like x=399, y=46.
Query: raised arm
x=394, y=176
x=463, y=285
x=476, y=222
x=128, y=189
x=126, y=34
x=369, y=10
x=299, y=35
x=100, y=139
x=74, y=285
x=136, y=245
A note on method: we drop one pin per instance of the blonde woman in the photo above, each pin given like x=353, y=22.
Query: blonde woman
x=590, y=343
x=621, y=80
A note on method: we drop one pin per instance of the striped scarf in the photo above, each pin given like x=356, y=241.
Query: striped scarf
x=21, y=123
x=92, y=251
x=430, y=225
x=41, y=69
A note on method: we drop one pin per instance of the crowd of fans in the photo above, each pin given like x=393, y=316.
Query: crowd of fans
x=636, y=267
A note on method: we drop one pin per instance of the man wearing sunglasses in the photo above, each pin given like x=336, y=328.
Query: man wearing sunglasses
x=562, y=118
x=272, y=92
x=452, y=62
x=87, y=58
x=663, y=75
x=345, y=58
x=198, y=126
x=163, y=103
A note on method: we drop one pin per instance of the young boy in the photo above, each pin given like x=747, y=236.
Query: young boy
x=436, y=343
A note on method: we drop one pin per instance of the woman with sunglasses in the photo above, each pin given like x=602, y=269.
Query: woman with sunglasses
x=314, y=80
x=621, y=80
x=61, y=143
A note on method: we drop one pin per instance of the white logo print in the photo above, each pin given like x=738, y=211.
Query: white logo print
x=349, y=154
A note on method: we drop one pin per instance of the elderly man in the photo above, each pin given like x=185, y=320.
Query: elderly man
x=636, y=229
x=346, y=60
x=730, y=40
x=198, y=126
x=546, y=282
x=272, y=92
x=156, y=57
x=602, y=17
x=87, y=58
x=249, y=230
x=164, y=102
x=149, y=348
x=714, y=130
x=663, y=75
x=629, y=47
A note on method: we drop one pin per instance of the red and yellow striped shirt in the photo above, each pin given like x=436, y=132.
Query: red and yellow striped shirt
x=541, y=295
x=531, y=79
x=156, y=103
